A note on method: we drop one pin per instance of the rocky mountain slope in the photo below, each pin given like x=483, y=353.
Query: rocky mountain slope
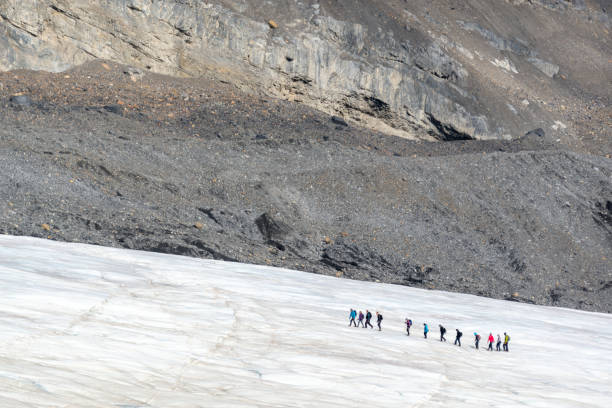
x=444, y=70
x=199, y=167
x=457, y=145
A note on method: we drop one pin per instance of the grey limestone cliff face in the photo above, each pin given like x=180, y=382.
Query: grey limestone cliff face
x=332, y=64
x=405, y=69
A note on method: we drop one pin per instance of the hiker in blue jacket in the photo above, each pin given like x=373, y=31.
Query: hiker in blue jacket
x=353, y=315
x=425, y=329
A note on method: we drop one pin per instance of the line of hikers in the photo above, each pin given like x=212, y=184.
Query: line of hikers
x=367, y=316
x=379, y=318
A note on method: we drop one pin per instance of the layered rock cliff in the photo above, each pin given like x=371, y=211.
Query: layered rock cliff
x=436, y=70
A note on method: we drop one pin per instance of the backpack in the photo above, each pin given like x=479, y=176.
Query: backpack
x=409, y=322
x=459, y=334
x=478, y=337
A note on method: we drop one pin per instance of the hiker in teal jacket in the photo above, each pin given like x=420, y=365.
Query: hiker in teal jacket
x=353, y=315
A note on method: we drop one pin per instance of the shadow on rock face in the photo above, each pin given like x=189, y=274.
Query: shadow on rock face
x=343, y=254
x=281, y=235
x=539, y=132
x=271, y=228
x=20, y=100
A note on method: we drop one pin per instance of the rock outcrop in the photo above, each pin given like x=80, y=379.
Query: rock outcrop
x=408, y=69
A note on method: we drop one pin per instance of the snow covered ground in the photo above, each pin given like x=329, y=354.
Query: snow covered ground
x=87, y=326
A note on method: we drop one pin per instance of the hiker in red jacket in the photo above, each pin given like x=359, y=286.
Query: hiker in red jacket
x=491, y=340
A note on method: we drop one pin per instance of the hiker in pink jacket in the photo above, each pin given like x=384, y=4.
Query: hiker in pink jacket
x=491, y=340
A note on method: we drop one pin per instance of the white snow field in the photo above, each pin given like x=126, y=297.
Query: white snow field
x=88, y=326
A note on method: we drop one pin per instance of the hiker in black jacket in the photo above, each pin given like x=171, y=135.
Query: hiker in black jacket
x=368, y=317
x=379, y=320
x=442, y=332
x=458, y=338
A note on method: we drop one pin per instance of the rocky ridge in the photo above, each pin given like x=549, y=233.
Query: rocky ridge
x=197, y=167
x=435, y=71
